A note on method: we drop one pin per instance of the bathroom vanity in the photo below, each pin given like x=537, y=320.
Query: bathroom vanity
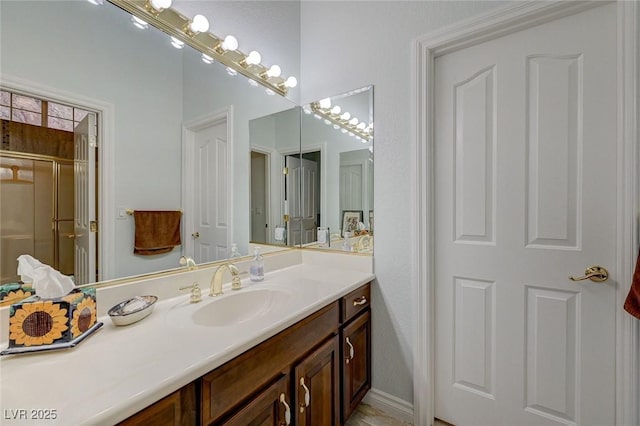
x=324, y=359
x=294, y=347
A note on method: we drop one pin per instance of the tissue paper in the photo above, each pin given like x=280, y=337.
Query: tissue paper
x=46, y=281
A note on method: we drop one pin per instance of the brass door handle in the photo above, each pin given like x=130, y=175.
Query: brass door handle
x=595, y=273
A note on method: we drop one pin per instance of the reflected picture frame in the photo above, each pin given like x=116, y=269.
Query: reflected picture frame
x=350, y=220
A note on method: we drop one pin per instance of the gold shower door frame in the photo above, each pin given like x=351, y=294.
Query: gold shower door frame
x=56, y=220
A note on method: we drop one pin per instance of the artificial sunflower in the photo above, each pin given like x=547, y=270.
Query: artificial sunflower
x=83, y=317
x=37, y=323
x=19, y=294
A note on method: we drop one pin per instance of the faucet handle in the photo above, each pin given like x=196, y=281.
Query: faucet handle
x=196, y=293
x=236, y=284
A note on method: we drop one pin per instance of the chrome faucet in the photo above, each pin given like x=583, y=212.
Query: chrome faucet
x=216, y=280
x=188, y=262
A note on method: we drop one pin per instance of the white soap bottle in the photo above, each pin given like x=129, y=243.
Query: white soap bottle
x=256, y=270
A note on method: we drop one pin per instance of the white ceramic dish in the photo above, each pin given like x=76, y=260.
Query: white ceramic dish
x=132, y=310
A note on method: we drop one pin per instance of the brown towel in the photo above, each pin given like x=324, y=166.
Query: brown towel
x=632, y=304
x=157, y=232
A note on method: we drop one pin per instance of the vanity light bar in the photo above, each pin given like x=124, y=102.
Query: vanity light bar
x=177, y=25
x=346, y=124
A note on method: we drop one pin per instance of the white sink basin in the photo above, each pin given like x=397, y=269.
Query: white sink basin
x=236, y=307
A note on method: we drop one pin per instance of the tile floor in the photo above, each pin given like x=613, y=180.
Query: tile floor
x=366, y=415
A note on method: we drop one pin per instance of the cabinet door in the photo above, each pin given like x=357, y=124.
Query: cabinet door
x=356, y=358
x=177, y=409
x=271, y=407
x=317, y=390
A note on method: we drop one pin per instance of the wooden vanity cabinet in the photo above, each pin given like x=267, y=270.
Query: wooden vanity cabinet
x=314, y=373
x=231, y=388
x=356, y=349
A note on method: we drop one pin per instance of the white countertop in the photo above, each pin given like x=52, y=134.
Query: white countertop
x=121, y=370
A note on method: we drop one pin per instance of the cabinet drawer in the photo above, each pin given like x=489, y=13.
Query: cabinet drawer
x=177, y=409
x=355, y=302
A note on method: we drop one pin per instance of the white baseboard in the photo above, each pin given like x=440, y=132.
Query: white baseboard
x=391, y=405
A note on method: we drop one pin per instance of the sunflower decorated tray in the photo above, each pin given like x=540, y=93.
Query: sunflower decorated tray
x=37, y=324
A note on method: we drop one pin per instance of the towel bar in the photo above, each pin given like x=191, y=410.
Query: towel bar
x=130, y=212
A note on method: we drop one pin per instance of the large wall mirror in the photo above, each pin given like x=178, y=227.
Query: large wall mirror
x=312, y=174
x=166, y=120
x=336, y=161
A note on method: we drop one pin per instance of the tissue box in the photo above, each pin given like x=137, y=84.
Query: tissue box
x=36, y=322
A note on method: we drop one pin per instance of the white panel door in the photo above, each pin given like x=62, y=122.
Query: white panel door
x=292, y=194
x=212, y=208
x=525, y=130
x=309, y=200
x=352, y=191
x=84, y=165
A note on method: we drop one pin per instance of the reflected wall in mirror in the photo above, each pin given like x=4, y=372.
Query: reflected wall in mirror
x=154, y=106
x=337, y=163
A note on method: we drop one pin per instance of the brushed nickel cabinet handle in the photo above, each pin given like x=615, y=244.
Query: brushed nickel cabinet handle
x=307, y=396
x=287, y=409
x=360, y=301
x=351, y=351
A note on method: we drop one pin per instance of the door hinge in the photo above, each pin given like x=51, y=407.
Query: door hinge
x=93, y=226
x=285, y=170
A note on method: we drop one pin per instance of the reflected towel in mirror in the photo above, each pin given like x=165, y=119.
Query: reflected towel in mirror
x=156, y=232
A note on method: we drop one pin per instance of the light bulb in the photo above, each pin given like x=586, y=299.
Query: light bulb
x=291, y=82
x=252, y=82
x=178, y=44
x=207, y=59
x=139, y=23
x=160, y=5
x=274, y=71
x=270, y=92
x=231, y=71
x=353, y=121
x=335, y=126
x=253, y=58
x=199, y=24
x=317, y=116
x=229, y=43
x=96, y=2
x=361, y=126
x=325, y=103
x=345, y=116
x=344, y=130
